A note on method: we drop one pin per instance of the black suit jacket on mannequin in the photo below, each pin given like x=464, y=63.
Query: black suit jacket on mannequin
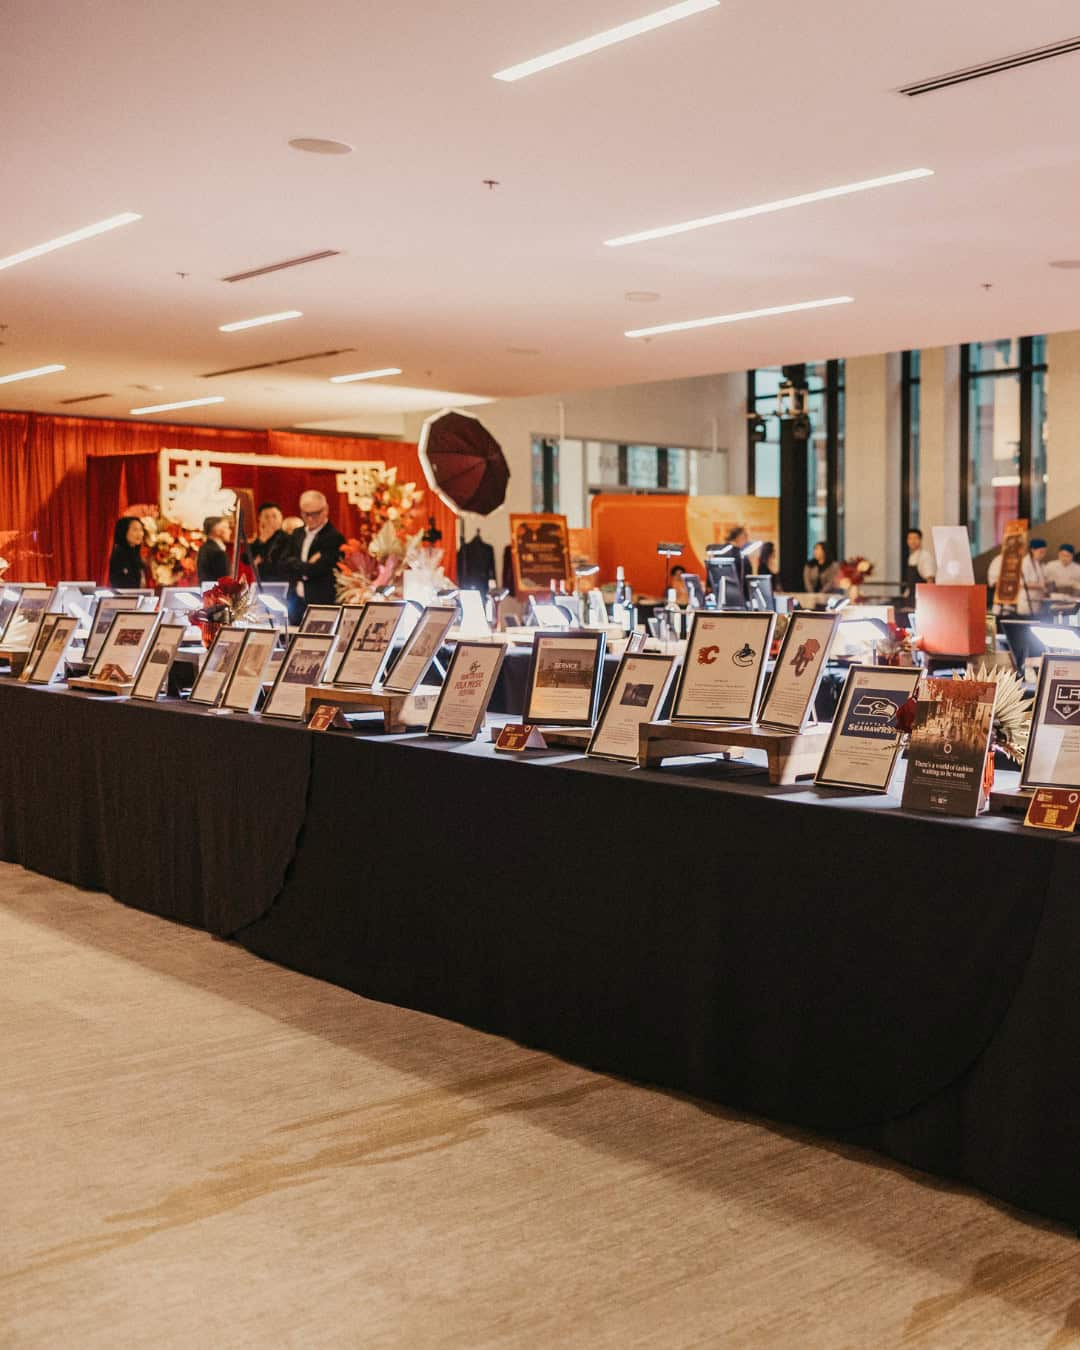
x=317, y=573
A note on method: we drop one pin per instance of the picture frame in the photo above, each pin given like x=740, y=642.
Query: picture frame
x=466, y=692
x=540, y=551
x=101, y=620
x=563, y=686
x=1053, y=751
x=321, y=619
x=365, y=658
x=24, y=618
x=41, y=638
x=157, y=662
x=420, y=649
x=9, y=598
x=636, y=696
x=218, y=666
x=789, y=698
x=121, y=653
x=723, y=672
x=302, y=667
x=62, y=631
x=246, y=681
x=350, y=617
x=864, y=741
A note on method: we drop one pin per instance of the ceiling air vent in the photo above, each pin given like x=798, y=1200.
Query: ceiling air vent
x=992, y=67
x=267, y=365
x=280, y=266
x=85, y=398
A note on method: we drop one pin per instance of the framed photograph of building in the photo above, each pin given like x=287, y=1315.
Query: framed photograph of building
x=124, y=646
x=242, y=692
x=636, y=696
x=723, y=672
x=789, y=699
x=467, y=689
x=218, y=666
x=420, y=649
x=302, y=667
x=150, y=680
x=41, y=638
x=321, y=619
x=24, y=617
x=54, y=652
x=564, y=679
x=365, y=659
x=108, y=606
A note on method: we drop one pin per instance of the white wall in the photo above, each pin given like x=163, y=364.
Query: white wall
x=939, y=439
x=1063, y=420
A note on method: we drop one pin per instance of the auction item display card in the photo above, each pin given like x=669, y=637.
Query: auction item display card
x=799, y=667
x=865, y=739
x=467, y=690
x=948, y=747
x=724, y=670
x=1053, y=753
x=636, y=697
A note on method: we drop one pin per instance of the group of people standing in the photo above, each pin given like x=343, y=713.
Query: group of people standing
x=302, y=551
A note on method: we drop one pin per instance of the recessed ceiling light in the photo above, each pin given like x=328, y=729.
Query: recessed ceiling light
x=29, y=374
x=75, y=237
x=1066, y=263
x=607, y=38
x=364, y=375
x=642, y=297
x=315, y=145
x=737, y=318
x=263, y=318
x=170, y=407
x=766, y=208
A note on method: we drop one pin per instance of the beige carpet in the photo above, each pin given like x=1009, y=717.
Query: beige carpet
x=199, y=1149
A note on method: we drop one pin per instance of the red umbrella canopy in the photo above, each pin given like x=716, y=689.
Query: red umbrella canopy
x=463, y=462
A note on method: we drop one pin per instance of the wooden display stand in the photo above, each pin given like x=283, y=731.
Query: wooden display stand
x=99, y=686
x=16, y=657
x=400, y=712
x=791, y=754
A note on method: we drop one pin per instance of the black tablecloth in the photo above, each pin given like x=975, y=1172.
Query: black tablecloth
x=827, y=960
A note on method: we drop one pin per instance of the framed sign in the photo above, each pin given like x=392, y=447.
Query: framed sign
x=9, y=598
x=108, y=606
x=864, y=741
x=636, y=696
x=467, y=689
x=242, y=692
x=302, y=667
x=54, y=652
x=321, y=619
x=723, y=673
x=121, y=653
x=150, y=680
x=540, y=549
x=789, y=700
x=1053, y=753
x=218, y=666
x=21, y=628
x=368, y=652
x=947, y=752
x=350, y=617
x=41, y=638
x=420, y=649
x=1014, y=548
x=564, y=679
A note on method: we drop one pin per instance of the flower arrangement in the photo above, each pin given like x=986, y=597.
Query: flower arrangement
x=852, y=572
x=171, y=551
x=227, y=601
x=1012, y=708
x=895, y=648
x=387, y=534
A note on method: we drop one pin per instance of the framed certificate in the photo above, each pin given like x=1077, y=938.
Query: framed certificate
x=122, y=650
x=218, y=666
x=25, y=616
x=54, y=650
x=41, y=638
x=321, y=619
x=242, y=692
x=350, y=617
x=636, y=696
x=1053, y=753
x=724, y=670
x=420, y=649
x=150, y=680
x=467, y=690
x=864, y=741
x=564, y=679
x=789, y=699
x=302, y=667
x=368, y=652
x=108, y=606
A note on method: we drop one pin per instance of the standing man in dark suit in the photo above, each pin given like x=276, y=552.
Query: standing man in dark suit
x=312, y=557
x=213, y=561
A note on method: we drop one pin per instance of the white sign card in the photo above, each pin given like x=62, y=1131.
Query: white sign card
x=41, y=638
x=367, y=654
x=321, y=619
x=952, y=553
x=218, y=666
x=789, y=700
x=302, y=667
x=864, y=741
x=636, y=696
x=1053, y=753
x=474, y=621
x=420, y=649
x=55, y=650
x=564, y=679
x=22, y=625
x=724, y=670
x=247, y=677
x=108, y=606
x=159, y=658
x=121, y=653
x=467, y=690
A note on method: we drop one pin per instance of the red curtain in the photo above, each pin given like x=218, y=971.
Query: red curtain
x=65, y=480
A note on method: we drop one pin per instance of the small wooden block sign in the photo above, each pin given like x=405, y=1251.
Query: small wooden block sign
x=1054, y=809
x=327, y=717
x=516, y=737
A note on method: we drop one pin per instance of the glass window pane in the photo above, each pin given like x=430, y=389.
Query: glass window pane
x=1039, y=381
x=1038, y=351
x=994, y=474
x=1001, y=355
x=767, y=382
x=677, y=470
x=641, y=466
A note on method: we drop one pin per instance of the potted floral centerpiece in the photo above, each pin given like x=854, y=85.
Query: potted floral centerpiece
x=388, y=530
x=227, y=601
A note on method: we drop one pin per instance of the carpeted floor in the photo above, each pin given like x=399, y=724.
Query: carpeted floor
x=199, y=1149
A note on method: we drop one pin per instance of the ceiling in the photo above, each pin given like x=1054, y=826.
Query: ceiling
x=183, y=113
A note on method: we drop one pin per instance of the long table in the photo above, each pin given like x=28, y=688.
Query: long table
x=907, y=982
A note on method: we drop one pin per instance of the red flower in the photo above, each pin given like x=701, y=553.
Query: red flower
x=905, y=715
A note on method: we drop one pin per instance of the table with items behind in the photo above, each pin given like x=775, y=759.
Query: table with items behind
x=825, y=959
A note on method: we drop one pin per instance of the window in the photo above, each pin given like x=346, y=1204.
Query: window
x=910, y=399
x=565, y=476
x=1003, y=435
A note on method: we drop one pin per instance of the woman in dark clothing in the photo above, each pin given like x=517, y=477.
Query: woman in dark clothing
x=127, y=571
